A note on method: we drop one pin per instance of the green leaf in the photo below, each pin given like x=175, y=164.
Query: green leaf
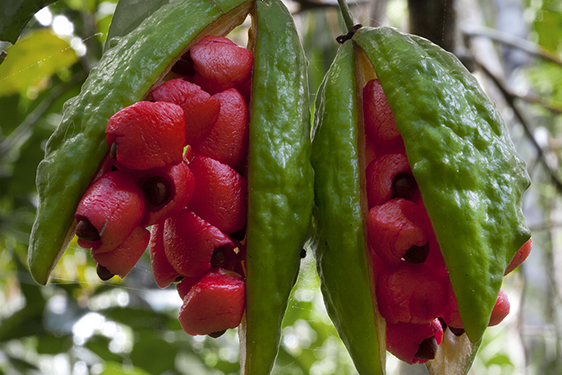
x=129, y=14
x=40, y=55
x=51, y=344
x=100, y=346
x=113, y=368
x=137, y=319
x=150, y=346
x=14, y=15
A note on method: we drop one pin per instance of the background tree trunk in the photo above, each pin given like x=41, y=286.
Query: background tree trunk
x=434, y=20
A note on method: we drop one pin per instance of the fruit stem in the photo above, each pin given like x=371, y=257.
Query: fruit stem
x=346, y=14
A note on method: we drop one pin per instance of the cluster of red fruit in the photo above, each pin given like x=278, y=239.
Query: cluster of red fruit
x=176, y=163
x=413, y=290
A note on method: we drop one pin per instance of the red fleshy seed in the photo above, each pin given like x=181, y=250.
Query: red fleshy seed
x=220, y=64
x=228, y=140
x=213, y=304
x=220, y=194
x=451, y=314
x=406, y=340
x=201, y=110
x=148, y=135
x=380, y=125
x=500, y=310
x=114, y=206
x=395, y=227
x=121, y=260
x=178, y=187
x=164, y=273
x=381, y=176
x=410, y=294
x=520, y=256
x=189, y=243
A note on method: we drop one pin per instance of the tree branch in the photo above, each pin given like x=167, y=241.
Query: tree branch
x=510, y=99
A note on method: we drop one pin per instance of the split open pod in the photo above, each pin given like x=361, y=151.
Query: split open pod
x=277, y=166
x=418, y=195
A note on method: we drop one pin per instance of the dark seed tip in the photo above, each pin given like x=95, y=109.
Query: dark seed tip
x=443, y=323
x=457, y=331
x=157, y=191
x=217, y=334
x=404, y=186
x=219, y=257
x=103, y=273
x=179, y=279
x=113, y=150
x=86, y=231
x=427, y=349
x=417, y=254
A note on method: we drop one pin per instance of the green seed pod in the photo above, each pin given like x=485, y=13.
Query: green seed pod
x=469, y=176
x=341, y=255
x=125, y=75
x=279, y=172
x=280, y=190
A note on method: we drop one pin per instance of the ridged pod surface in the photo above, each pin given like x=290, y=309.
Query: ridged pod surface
x=280, y=178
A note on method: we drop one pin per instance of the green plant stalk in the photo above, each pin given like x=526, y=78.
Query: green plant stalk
x=346, y=14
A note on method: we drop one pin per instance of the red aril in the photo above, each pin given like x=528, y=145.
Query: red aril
x=201, y=110
x=215, y=303
x=228, y=140
x=410, y=293
x=385, y=180
x=380, y=125
x=520, y=256
x=396, y=227
x=166, y=190
x=112, y=206
x=220, y=194
x=189, y=243
x=164, y=273
x=121, y=260
x=408, y=342
x=147, y=135
x=220, y=64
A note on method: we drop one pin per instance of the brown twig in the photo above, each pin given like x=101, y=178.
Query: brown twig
x=512, y=41
x=510, y=99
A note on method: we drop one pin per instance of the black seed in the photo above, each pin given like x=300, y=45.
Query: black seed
x=417, y=254
x=113, y=150
x=103, y=273
x=217, y=334
x=443, y=324
x=457, y=331
x=240, y=235
x=404, y=186
x=184, y=66
x=427, y=348
x=179, y=278
x=157, y=191
x=86, y=231
x=219, y=256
